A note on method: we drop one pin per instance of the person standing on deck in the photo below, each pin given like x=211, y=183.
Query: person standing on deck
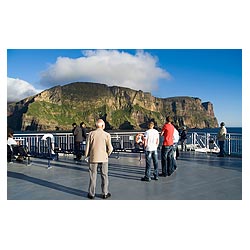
x=151, y=142
x=73, y=130
x=175, y=146
x=221, y=136
x=167, y=148
x=84, y=135
x=77, y=132
x=183, y=139
x=98, y=148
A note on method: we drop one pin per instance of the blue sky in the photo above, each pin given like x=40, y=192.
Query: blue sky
x=213, y=75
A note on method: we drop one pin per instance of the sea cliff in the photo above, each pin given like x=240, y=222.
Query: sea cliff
x=122, y=108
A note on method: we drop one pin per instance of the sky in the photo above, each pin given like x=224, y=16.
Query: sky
x=213, y=75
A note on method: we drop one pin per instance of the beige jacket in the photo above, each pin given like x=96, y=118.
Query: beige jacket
x=98, y=146
x=221, y=135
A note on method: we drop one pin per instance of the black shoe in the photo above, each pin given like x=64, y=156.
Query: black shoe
x=163, y=175
x=106, y=196
x=156, y=178
x=145, y=179
x=91, y=197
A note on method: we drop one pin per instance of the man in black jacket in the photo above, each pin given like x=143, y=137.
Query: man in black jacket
x=77, y=132
x=183, y=139
x=84, y=135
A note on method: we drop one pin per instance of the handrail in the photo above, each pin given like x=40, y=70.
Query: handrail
x=233, y=142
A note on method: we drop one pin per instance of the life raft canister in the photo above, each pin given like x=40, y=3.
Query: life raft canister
x=139, y=138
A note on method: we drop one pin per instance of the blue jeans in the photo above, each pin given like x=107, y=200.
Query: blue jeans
x=151, y=155
x=221, y=145
x=167, y=157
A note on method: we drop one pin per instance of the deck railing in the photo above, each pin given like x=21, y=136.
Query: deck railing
x=233, y=142
x=126, y=140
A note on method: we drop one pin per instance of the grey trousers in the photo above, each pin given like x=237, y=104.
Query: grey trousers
x=93, y=176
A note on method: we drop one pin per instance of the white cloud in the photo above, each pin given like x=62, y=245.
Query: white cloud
x=18, y=89
x=112, y=67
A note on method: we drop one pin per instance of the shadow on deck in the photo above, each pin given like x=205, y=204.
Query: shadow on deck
x=199, y=176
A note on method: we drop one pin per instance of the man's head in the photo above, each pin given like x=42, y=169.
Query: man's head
x=74, y=124
x=82, y=124
x=151, y=125
x=100, y=124
x=168, y=119
x=222, y=124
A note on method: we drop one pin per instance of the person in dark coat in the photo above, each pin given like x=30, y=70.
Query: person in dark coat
x=84, y=135
x=77, y=132
x=183, y=139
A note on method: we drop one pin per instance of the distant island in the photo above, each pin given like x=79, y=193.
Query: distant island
x=121, y=108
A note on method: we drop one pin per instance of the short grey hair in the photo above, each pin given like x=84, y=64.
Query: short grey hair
x=100, y=123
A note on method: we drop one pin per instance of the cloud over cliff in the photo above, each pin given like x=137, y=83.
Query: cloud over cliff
x=112, y=67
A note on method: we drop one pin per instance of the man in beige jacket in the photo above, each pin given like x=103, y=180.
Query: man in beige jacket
x=98, y=148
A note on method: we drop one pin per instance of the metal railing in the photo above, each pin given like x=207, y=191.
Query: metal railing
x=38, y=147
x=126, y=140
x=233, y=142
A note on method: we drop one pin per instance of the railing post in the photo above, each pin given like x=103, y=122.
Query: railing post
x=67, y=143
x=207, y=140
x=122, y=146
x=37, y=148
x=229, y=144
x=194, y=134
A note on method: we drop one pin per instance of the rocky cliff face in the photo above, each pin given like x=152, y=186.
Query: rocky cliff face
x=122, y=108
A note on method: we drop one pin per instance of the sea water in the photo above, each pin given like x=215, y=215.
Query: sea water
x=230, y=130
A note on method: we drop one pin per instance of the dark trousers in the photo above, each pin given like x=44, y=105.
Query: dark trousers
x=221, y=145
x=19, y=150
x=78, y=150
x=9, y=153
x=177, y=152
x=167, y=160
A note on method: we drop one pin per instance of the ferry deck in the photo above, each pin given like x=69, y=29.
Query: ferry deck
x=199, y=176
